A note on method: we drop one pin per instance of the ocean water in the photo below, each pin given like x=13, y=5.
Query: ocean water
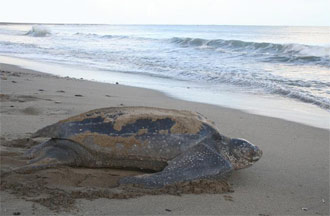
x=269, y=69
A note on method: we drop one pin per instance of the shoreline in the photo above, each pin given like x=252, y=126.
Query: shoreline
x=268, y=106
x=291, y=178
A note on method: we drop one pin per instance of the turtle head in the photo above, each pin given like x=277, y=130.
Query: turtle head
x=243, y=154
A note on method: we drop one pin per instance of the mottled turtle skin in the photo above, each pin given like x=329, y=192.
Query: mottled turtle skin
x=177, y=145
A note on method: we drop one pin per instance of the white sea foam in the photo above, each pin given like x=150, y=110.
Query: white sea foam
x=307, y=50
x=39, y=31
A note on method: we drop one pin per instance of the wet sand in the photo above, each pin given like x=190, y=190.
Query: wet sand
x=292, y=178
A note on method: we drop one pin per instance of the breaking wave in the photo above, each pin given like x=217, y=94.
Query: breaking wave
x=39, y=31
x=297, y=53
x=268, y=52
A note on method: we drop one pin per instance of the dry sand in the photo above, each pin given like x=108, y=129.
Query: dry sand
x=292, y=178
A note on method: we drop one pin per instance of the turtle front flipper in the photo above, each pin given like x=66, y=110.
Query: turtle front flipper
x=200, y=162
x=52, y=153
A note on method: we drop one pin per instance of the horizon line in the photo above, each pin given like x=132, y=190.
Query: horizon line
x=57, y=23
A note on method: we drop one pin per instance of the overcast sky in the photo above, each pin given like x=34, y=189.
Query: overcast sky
x=221, y=12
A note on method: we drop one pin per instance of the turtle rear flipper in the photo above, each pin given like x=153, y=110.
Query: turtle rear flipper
x=53, y=153
x=37, y=149
x=199, y=162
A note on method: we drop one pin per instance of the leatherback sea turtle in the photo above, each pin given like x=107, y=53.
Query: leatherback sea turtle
x=178, y=145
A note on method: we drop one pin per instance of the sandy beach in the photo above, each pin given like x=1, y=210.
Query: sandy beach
x=292, y=178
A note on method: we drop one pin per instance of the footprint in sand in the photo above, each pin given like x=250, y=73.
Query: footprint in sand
x=31, y=111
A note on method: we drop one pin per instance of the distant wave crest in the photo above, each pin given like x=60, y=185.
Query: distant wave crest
x=269, y=51
x=39, y=31
x=91, y=35
x=101, y=36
